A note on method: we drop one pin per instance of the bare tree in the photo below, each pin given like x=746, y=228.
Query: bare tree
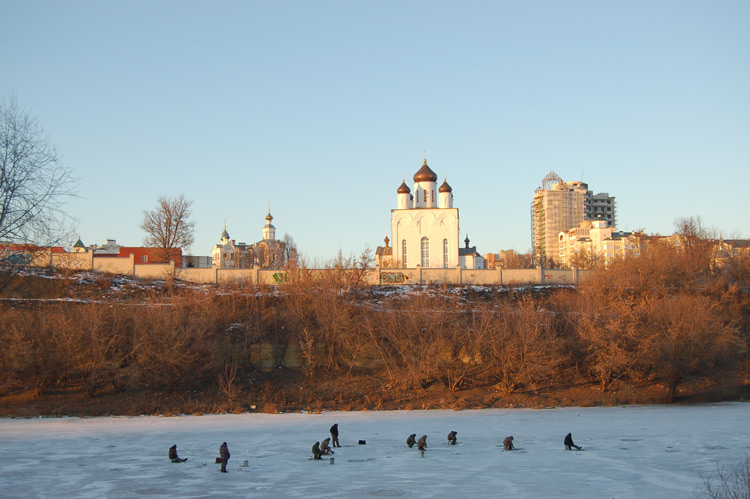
x=586, y=258
x=168, y=227
x=732, y=483
x=687, y=337
x=34, y=184
x=290, y=251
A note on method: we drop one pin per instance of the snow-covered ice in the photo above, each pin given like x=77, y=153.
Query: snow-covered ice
x=635, y=451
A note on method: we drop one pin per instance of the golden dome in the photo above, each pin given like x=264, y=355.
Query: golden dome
x=425, y=174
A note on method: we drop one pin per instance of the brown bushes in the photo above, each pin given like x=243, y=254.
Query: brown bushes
x=655, y=319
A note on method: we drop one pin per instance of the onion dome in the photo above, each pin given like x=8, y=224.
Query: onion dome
x=404, y=189
x=425, y=174
x=269, y=217
x=445, y=187
x=225, y=234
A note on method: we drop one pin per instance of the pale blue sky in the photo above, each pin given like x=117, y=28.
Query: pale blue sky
x=321, y=107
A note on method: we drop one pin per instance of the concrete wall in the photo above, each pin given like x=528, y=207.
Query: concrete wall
x=558, y=276
x=154, y=270
x=270, y=277
x=196, y=275
x=114, y=264
x=520, y=276
x=77, y=261
x=274, y=277
x=439, y=276
x=479, y=277
x=371, y=278
x=237, y=276
x=399, y=276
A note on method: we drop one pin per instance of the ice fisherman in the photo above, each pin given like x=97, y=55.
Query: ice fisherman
x=173, y=455
x=225, y=455
x=411, y=440
x=325, y=449
x=452, y=437
x=335, y=435
x=508, y=443
x=316, y=451
x=569, y=443
x=422, y=442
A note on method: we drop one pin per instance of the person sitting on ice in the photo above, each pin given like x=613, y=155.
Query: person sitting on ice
x=422, y=443
x=316, y=451
x=325, y=449
x=568, y=442
x=411, y=440
x=452, y=437
x=173, y=455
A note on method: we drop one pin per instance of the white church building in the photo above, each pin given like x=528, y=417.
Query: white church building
x=268, y=253
x=425, y=229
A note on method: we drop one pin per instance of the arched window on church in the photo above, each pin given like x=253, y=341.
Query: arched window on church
x=403, y=253
x=425, y=252
x=445, y=253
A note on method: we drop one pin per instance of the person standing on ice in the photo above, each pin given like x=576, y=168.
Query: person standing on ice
x=411, y=440
x=422, y=442
x=224, y=453
x=568, y=442
x=508, y=443
x=452, y=437
x=173, y=455
x=335, y=435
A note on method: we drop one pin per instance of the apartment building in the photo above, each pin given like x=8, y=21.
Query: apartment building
x=559, y=206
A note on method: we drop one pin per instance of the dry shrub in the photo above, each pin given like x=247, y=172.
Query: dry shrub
x=725, y=484
x=612, y=341
x=687, y=336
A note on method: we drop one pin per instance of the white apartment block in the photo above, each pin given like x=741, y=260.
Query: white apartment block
x=559, y=206
x=599, y=242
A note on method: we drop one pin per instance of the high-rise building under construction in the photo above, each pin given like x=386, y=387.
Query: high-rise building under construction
x=559, y=206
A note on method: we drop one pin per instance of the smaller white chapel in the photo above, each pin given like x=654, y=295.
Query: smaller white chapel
x=268, y=253
x=425, y=229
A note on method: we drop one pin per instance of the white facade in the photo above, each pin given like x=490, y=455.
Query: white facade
x=424, y=227
x=602, y=243
x=267, y=253
x=559, y=206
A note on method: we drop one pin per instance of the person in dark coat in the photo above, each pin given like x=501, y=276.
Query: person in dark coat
x=452, y=437
x=225, y=455
x=316, y=450
x=569, y=443
x=173, y=455
x=508, y=443
x=335, y=435
x=422, y=442
x=325, y=449
x=411, y=440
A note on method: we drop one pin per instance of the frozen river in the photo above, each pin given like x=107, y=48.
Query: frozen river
x=637, y=451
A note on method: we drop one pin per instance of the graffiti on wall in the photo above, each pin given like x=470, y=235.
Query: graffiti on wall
x=393, y=278
x=279, y=277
